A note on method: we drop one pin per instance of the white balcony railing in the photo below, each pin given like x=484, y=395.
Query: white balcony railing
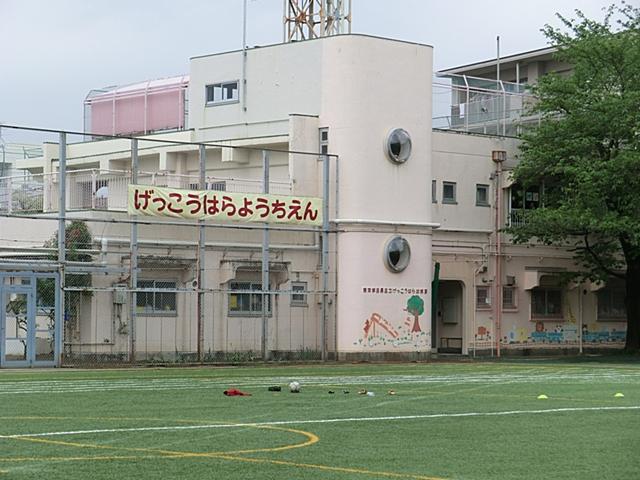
x=107, y=189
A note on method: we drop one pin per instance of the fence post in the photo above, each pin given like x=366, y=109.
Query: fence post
x=201, y=259
x=62, y=207
x=265, y=259
x=133, y=263
x=325, y=251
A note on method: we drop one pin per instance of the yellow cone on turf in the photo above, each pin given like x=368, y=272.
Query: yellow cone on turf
x=619, y=395
x=542, y=397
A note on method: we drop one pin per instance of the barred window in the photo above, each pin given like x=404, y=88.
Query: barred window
x=160, y=300
x=299, y=294
x=247, y=299
x=509, y=298
x=483, y=298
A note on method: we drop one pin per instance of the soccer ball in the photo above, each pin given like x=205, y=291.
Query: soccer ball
x=294, y=387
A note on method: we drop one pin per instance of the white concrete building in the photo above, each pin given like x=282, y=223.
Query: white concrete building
x=440, y=198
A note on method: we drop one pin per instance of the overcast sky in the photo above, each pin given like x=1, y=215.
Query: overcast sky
x=52, y=52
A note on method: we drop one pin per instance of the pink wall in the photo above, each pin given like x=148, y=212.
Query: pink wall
x=164, y=109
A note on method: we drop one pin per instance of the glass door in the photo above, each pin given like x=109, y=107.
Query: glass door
x=17, y=322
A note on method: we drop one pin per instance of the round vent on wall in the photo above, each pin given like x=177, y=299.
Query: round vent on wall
x=398, y=145
x=397, y=254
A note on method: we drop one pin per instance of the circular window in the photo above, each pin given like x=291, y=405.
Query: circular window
x=399, y=145
x=397, y=254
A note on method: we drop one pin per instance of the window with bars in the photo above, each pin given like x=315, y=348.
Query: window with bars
x=509, y=298
x=449, y=192
x=246, y=300
x=483, y=298
x=160, y=300
x=299, y=294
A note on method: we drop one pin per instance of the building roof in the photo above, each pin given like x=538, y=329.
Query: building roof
x=161, y=84
x=312, y=40
x=476, y=68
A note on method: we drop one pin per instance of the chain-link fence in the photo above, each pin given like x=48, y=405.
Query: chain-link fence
x=167, y=290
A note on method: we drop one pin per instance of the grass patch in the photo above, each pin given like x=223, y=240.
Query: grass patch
x=452, y=421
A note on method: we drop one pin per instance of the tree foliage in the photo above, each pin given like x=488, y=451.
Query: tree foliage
x=78, y=240
x=585, y=152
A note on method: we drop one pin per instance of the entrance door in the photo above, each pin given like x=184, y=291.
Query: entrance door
x=449, y=317
x=29, y=320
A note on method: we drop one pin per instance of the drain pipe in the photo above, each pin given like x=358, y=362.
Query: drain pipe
x=498, y=157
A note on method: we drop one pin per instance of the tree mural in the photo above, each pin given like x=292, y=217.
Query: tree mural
x=415, y=306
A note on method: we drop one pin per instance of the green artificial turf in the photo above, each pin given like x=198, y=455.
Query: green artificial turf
x=476, y=421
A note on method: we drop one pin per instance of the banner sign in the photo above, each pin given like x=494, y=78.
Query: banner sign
x=224, y=206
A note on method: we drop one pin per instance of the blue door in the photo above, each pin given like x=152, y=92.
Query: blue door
x=29, y=320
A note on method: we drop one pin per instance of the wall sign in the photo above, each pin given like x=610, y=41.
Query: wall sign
x=224, y=206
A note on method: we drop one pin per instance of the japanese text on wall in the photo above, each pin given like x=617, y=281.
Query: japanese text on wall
x=224, y=206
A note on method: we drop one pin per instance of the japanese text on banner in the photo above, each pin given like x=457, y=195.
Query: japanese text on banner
x=224, y=206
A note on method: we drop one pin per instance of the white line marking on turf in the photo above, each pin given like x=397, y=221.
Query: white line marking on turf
x=326, y=420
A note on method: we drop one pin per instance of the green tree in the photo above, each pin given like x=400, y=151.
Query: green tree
x=585, y=152
x=78, y=240
x=415, y=306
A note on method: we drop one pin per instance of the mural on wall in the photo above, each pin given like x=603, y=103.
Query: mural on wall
x=381, y=332
x=550, y=334
x=563, y=333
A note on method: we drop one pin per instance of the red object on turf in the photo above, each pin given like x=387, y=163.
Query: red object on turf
x=234, y=392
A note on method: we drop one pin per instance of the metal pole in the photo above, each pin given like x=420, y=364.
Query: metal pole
x=62, y=196
x=580, y=310
x=244, y=56
x=133, y=264
x=325, y=251
x=497, y=80
x=62, y=207
x=265, y=259
x=498, y=157
x=201, y=260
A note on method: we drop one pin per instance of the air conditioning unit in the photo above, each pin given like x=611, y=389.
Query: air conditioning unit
x=511, y=280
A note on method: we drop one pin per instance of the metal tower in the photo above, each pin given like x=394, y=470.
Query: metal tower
x=305, y=19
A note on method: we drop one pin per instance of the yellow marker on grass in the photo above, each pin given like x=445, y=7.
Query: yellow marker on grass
x=619, y=395
x=543, y=397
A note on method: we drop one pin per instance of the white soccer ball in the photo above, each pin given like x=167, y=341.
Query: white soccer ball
x=294, y=387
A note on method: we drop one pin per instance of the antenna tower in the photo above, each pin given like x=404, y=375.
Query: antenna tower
x=306, y=19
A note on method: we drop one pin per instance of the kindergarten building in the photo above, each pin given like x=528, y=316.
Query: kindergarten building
x=351, y=207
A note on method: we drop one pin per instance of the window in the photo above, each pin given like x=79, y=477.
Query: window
x=509, y=298
x=482, y=195
x=448, y=192
x=434, y=191
x=300, y=298
x=245, y=301
x=611, y=303
x=521, y=200
x=324, y=141
x=219, y=186
x=398, y=145
x=160, y=301
x=546, y=303
x=483, y=298
x=222, y=93
x=397, y=254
